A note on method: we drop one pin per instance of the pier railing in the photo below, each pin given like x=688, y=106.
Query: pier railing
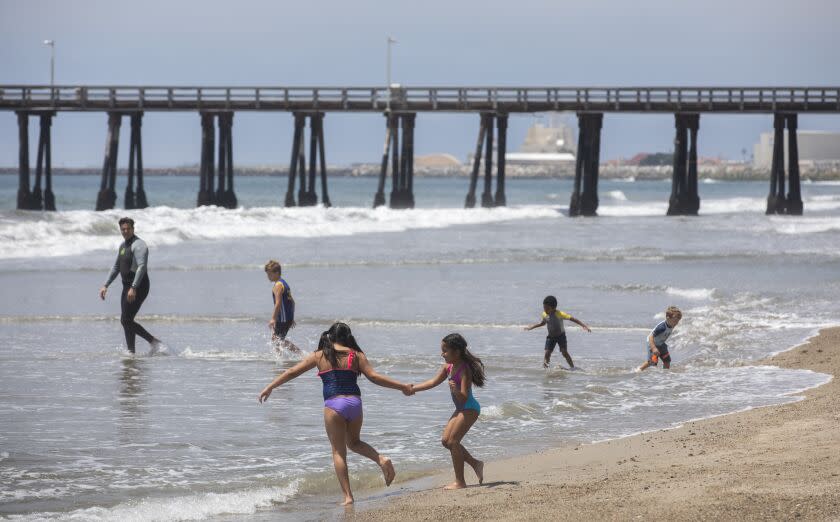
x=421, y=99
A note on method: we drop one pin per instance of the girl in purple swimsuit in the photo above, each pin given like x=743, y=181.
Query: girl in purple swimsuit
x=463, y=369
x=340, y=360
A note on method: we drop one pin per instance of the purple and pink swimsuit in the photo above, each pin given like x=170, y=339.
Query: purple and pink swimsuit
x=341, y=391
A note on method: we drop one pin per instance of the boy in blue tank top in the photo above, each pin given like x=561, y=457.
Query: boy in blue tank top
x=283, y=314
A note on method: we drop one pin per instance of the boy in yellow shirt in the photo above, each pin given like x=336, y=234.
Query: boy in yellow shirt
x=553, y=318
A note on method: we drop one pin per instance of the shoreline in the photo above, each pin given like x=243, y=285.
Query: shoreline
x=778, y=461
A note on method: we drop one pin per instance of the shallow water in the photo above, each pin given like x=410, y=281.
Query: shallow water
x=89, y=432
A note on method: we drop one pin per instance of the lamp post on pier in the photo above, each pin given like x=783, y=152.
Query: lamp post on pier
x=51, y=44
x=390, y=42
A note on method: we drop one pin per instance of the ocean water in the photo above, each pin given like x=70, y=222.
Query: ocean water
x=88, y=432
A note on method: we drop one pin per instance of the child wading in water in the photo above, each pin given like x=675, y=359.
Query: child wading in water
x=553, y=318
x=655, y=342
x=463, y=369
x=340, y=361
x=283, y=314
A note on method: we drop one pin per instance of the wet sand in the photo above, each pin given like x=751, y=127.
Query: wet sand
x=773, y=463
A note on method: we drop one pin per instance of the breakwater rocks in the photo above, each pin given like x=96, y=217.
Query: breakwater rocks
x=722, y=171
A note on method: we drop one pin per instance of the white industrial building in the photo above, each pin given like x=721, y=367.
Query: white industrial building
x=815, y=147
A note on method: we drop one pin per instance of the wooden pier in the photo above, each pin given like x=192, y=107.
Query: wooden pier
x=400, y=105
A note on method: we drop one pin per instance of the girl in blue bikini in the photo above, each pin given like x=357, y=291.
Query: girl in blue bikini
x=340, y=360
x=463, y=369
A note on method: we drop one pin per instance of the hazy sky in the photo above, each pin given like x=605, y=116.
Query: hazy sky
x=341, y=43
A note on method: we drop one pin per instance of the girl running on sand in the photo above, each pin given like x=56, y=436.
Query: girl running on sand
x=463, y=369
x=340, y=360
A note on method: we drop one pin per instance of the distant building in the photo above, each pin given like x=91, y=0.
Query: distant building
x=814, y=147
x=552, y=144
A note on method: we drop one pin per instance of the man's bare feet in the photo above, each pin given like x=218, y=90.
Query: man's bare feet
x=347, y=501
x=387, y=470
x=479, y=471
x=455, y=485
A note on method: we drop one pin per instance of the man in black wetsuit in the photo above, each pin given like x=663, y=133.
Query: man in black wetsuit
x=131, y=265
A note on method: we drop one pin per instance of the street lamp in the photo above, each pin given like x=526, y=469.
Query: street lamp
x=51, y=43
x=390, y=42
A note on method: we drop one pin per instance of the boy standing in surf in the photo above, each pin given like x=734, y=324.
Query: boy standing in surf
x=553, y=318
x=656, y=347
x=283, y=314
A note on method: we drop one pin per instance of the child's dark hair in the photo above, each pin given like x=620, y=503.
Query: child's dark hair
x=551, y=301
x=457, y=342
x=125, y=220
x=338, y=333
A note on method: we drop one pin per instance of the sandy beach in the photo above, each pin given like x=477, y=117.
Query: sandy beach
x=774, y=463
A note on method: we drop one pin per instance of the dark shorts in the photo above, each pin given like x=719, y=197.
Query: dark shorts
x=560, y=342
x=281, y=329
x=664, y=356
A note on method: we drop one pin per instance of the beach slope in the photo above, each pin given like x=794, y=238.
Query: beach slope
x=779, y=462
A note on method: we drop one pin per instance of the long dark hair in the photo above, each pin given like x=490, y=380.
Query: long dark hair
x=338, y=333
x=455, y=341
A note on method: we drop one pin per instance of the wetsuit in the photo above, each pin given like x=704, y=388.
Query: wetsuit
x=131, y=263
x=660, y=334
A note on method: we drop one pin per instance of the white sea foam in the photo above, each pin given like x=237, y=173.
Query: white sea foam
x=192, y=507
x=737, y=205
x=652, y=208
x=617, y=195
x=80, y=231
x=691, y=293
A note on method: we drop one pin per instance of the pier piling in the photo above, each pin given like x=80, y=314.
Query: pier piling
x=487, y=195
x=33, y=198
x=684, y=200
x=379, y=197
x=225, y=196
x=399, y=137
x=107, y=196
x=470, y=201
x=135, y=166
x=794, y=198
x=49, y=197
x=584, y=199
x=23, y=194
x=318, y=120
x=140, y=200
x=206, y=194
x=306, y=196
x=300, y=121
x=777, y=201
x=501, y=149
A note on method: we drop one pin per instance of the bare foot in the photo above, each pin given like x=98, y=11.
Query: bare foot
x=455, y=485
x=479, y=471
x=347, y=501
x=387, y=470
